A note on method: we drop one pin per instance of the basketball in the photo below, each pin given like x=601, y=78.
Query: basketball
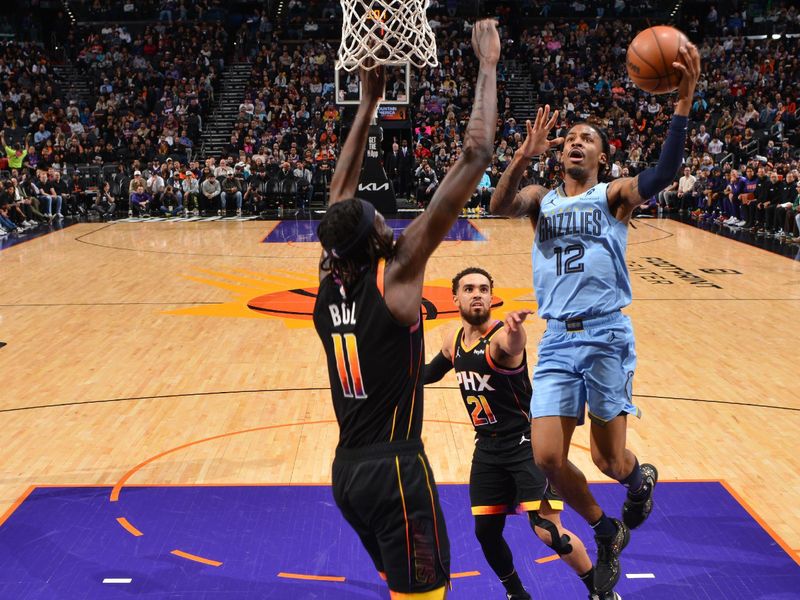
x=650, y=57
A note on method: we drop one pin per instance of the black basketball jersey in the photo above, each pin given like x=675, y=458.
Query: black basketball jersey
x=497, y=399
x=374, y=363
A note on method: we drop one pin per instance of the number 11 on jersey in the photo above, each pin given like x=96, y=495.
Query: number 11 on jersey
x=349, y=370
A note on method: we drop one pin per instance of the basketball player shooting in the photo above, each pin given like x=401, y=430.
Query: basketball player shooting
x=368, y=316
x=581, y=281
x=492, y=370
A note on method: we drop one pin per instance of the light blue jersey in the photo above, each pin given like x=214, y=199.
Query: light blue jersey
x=579, y=266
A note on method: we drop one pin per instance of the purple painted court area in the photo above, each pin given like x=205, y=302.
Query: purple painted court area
x=306, y=231
x=18, y=238
x=61, y=543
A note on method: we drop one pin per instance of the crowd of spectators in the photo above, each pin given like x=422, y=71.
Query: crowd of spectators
x=740, y=18
x=153, y=87
x=146, y=10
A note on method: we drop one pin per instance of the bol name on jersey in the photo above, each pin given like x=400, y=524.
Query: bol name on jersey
x=579, y=267
x=374, y=363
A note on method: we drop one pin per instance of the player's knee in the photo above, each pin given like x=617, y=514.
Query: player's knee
x=549, y=461
x=547, y=531
x=611, y=466
x=488, y=529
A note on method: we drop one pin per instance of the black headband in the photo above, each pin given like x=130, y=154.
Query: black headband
x=365, y=225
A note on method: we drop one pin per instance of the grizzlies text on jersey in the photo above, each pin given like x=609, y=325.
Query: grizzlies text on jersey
x=579, y=266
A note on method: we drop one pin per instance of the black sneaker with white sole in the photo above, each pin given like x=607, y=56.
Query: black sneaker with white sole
x=609, y=547
x=607, y=596
x=636, y=511
x=526, y=596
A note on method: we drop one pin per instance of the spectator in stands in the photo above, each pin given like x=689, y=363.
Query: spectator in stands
x=426, y=183
x=140, y=201
x=17, y=154
x=155, y=186
x=304, y=188
x=104, y=204
x=780, y=219
x=685, y=194
x=137, y=181
x=170, y=202
x=190, y=187
x=210, y=191
x=231, y=190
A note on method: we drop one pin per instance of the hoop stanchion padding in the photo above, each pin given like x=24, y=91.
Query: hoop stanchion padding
x=380, y=32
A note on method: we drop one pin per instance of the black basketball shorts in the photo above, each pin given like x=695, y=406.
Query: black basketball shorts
x=386, y=492
x=506, y=480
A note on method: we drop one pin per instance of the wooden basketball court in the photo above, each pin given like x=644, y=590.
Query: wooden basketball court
x=133, y=358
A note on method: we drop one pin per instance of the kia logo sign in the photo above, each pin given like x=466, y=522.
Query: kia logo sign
x=373, y=187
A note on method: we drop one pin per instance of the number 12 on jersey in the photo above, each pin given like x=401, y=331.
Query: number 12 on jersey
x=570, y=256
x=349, y=370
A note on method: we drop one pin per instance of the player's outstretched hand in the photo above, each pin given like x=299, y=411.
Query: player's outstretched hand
x=486, y=41
x=536, y=143
x=373, y=83
x=515, y=319
x=689, y=66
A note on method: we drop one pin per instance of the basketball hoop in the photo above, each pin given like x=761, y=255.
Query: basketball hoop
x=384, y=32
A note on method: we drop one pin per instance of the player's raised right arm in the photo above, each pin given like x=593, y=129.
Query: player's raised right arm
x=508, y=200
x=422, y=237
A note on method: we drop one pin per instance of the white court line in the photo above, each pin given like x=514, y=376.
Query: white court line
x=640, y=575
x=117, y=580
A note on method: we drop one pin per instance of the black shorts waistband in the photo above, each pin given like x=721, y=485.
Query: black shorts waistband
x=382, y=450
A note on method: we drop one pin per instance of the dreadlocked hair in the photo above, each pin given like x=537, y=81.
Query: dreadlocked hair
x=340, y=223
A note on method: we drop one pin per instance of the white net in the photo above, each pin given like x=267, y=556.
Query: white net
x=386, y=31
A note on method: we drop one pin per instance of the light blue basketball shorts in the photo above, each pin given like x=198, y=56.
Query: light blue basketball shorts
x=588, y=361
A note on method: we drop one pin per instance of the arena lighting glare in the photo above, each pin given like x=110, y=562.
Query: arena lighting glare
x=776, y=36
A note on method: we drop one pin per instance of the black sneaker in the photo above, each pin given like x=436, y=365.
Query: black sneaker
x=525, y=596
x=635, y=512
x=607, y=596
x=607, y=571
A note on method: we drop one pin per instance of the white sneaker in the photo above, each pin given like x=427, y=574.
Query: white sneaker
x=729, y=221
x=3, y=232
x=238, y=212
x=740, y=223
x=59, y=215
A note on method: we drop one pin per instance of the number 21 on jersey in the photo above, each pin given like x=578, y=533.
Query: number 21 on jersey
x=349, y=369
x=481, y=406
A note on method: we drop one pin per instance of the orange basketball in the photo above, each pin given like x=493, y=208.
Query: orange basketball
x=650, y=57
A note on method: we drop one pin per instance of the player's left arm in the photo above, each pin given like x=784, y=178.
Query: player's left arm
x=508, y=344
x=442, y=363
x=348, y=168
x=627, y=193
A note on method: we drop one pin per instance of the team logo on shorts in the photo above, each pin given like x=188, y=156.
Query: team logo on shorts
x=290, y=296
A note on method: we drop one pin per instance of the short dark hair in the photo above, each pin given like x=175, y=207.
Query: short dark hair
x=469, y=271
